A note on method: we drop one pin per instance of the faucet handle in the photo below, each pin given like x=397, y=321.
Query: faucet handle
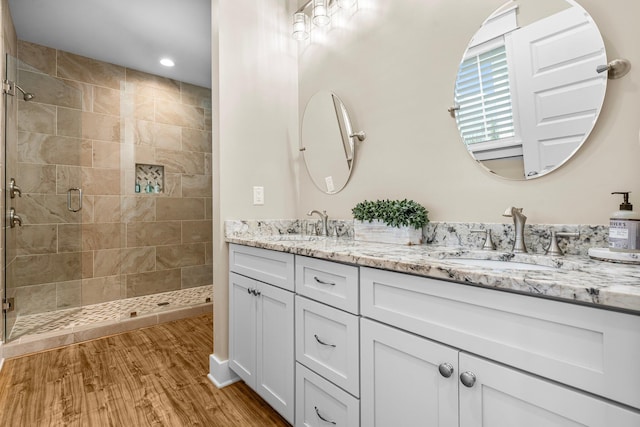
x=554, y=249
x=488, y=242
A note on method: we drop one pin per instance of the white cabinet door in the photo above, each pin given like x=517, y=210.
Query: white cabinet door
x=275, y=353
x=505, y=397
x=242, y=327
x=401, y=382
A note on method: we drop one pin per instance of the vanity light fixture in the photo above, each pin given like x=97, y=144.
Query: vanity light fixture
x=167, y=62
x=319, y=12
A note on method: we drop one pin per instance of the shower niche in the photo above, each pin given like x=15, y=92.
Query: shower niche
x=149, y=179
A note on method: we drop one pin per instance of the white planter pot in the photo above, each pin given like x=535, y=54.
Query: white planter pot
x=377, y=231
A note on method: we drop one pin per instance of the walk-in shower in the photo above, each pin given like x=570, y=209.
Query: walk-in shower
x=82, y=245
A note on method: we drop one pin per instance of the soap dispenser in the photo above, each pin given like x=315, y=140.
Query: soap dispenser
x=624, y=227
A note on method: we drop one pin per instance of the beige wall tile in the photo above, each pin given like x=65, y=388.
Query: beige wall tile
x=196, y=231
x=106, y=155
x=153, y=282
x=50, y=90
x=139, y=132
x=153, y=233
x=35, y=299
x=36, y=57
x=68, y=294
x=87, y=209
x=69, y=237
x=69, y=122
x=107, y=209
x=172, y=185
x=196, y=186
x=35, y=178
x=138, y=260
x=199, y=275
x=175, y=256
x=196, y=95
x=101, y=127
x=87, y=264
x=46, y=209
x=68, y=177
x=208, y=206
x=153, y=86
x=208, y=119
x=208, y=258
x=173, y=113
x=49, y=268
x=180, y=161
x=196, y=140
x=107, y=262
x=167, y=136
x=34, y=117
x=36, y=239
x=106, y=101
x=83, y=69
x=101, y=236
x=145, y=154
x=179, y=209
x=208, y=164
x=100, y=181
x=101, y=289
x=138, y=208
x=48, y=149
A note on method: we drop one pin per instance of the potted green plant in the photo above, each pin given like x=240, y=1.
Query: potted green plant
x=389, y=221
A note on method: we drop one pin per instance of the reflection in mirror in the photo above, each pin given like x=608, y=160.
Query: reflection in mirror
x=327, y=142
x=527, y=92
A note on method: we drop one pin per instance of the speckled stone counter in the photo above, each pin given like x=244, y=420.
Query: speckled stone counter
x=573, y=278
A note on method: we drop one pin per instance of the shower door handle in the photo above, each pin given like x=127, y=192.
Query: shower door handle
x=69, y=191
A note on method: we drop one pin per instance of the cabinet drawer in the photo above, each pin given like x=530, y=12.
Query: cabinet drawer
x=327, y=341
x=320, y=403
x=328, y=282
x=275, y=268
x=591, y=349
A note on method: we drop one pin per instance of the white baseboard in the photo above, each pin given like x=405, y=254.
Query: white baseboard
x=219, y=372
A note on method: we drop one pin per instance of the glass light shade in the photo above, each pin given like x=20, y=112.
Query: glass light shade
x=300, y=26
x=345, y=4
x=320, y=12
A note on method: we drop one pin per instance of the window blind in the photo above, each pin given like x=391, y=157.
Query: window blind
x=484, y=99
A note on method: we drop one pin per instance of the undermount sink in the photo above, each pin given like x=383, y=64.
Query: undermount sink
x=499, y=264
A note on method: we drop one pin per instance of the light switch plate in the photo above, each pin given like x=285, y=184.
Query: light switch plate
x=258, y=195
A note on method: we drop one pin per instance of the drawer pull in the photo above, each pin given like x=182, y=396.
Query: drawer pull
x=320, y=416
x=322, y=282
x=323, y=343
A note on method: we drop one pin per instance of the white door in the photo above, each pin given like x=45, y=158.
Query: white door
x=275, y=352
x=401, y=382
x=243, y=305
x=559, y=92
x=505, y=397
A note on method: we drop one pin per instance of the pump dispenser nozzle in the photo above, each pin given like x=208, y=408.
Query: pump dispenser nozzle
x=625, y=205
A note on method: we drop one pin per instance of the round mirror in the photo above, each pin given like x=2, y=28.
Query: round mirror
x=527, y=91
x=327, y=142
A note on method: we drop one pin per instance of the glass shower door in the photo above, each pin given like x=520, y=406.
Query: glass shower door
x=44, y=153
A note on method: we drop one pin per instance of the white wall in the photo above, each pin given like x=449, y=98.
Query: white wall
x=255, y=125
x=395, y=66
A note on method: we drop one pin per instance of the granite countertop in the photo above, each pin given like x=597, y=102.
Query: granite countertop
x=571, y=278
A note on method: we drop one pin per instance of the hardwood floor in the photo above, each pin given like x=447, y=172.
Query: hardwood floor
x=148, y=377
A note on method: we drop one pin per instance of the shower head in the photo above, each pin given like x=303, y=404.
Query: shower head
x=27, y=96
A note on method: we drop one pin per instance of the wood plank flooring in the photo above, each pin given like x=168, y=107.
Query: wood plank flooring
x=149, y=377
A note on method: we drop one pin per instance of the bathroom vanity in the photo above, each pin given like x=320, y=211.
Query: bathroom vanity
x=337, y=332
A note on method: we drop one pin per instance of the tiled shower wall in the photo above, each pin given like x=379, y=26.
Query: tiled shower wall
x=8, y=41
x=88, y=125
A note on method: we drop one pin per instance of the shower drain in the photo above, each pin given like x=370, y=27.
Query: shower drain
x=160, y=304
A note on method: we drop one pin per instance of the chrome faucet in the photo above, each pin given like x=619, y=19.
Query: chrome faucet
x=324, y=217
x=518, y=222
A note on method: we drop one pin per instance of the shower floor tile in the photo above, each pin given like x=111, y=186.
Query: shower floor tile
x=108, y=311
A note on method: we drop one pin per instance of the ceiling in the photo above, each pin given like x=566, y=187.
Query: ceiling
x=130, y=33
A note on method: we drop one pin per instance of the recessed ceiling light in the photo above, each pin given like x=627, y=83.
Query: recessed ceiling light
x=167, y=62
